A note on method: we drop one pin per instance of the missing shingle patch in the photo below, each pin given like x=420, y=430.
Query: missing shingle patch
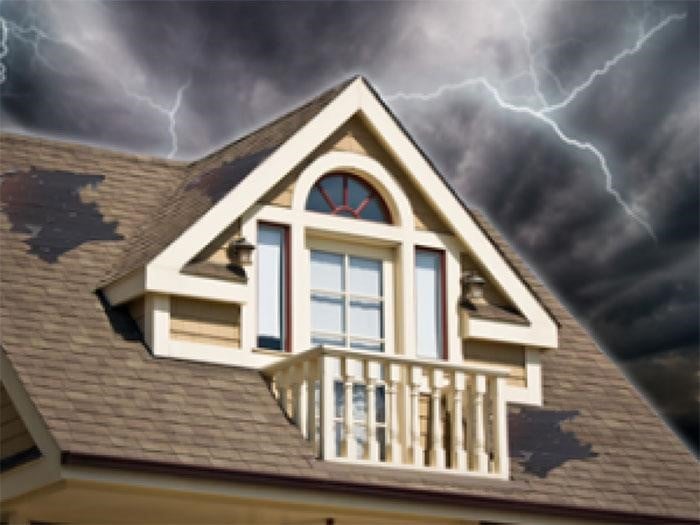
x=47, y=206
x=538, y=442
x=217, y=182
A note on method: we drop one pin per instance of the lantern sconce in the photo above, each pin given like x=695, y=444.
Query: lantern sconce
x=473, y=287
x=240, y=252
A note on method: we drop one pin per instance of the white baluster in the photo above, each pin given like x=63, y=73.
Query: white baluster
x=394, y=376
x=326, y=376
x=458, y=456
x=500, y=429
x=294, y=387
x=371, y=377
x=416, y=381
x=310, y=375
x=480, y=456
x=437, y=453
x=349, y=448
x=282, y=386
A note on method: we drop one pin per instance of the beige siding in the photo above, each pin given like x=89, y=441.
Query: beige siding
x=205, y=321
x=14, y=436
x=510, y=356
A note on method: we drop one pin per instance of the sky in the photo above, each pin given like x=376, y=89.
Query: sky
x=574, y=126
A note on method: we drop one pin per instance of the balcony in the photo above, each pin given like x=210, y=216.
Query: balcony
x=391, y=410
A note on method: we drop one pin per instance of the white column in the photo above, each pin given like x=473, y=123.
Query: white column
x=371, y=376
x=348, y=423
x=458, y=456
x=327, y=436
x=393, y=440
x=416, y=380
x=437, y=453
x=282, y=385
x=157, y=323
x=480, y=456
x=500, y=428
x=407, y=261
x=310, y=375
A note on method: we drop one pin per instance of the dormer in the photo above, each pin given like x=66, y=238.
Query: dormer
x=326, y=252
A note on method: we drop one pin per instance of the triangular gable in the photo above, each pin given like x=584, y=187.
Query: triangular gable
x=354, y=99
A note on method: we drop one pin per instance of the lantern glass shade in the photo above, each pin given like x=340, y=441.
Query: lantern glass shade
x=240, y=252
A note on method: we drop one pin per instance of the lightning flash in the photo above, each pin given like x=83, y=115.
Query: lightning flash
x=543, y=112
x=34, y=36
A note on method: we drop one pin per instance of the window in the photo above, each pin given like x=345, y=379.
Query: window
x=347, y=301
x=430, y=304
x=273, y=276
x=347, y=196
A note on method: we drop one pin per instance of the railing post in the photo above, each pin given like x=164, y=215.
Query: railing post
x=500, y=429
x=480, y=456
x=310, y=375
x=282, y=386
x=458, y=456
x=371, y=376
x=437, y=454
x=295, y=381
x=327, y=437
x=416, y=380
x=348, y=416
x=393, y=379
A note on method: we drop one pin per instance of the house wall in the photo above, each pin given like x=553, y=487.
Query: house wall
x=14, y=436
x=206, y=322
x=510, y=356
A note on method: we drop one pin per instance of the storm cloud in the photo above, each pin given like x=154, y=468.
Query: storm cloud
x=109, y=73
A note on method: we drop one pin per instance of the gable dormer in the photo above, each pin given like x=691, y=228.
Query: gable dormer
x=338, y=262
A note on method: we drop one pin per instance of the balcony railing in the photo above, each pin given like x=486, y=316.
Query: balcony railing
x=368, y=407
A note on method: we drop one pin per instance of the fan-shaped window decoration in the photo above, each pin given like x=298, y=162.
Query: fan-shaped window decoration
x=347, y=196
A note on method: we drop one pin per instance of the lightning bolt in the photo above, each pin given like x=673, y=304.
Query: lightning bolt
x=33, y=36
x=543, y=113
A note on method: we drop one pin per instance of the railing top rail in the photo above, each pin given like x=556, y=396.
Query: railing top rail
x=318, y=351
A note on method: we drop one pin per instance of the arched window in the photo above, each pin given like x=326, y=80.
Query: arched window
x=346, y=195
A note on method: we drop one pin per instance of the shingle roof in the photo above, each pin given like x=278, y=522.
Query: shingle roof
x=70, y=211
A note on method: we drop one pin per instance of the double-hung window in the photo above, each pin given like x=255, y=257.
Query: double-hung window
x=347, y=301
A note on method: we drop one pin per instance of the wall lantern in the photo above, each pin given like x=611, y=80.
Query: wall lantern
x=473, y=287
x=240, y=252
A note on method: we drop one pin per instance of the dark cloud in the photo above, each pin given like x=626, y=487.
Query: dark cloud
x=249, y=62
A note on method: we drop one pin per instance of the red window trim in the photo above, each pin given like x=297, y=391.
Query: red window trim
x=287, y=300
x=334, y=208
x=443, y=294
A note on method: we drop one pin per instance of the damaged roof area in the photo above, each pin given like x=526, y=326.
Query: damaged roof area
x=72, y=214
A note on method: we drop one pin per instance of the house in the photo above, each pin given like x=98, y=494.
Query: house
x=307, y=326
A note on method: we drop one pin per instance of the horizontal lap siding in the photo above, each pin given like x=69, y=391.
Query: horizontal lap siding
x=205, y=322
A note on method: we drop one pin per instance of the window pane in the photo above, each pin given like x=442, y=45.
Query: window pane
x=360, y=431
x=356, y=193
x=339, y=432
x=334, y=188
x=327, y=314
x=316, y=202
x=327, y=271
x=339, y=398
x=428, y=304
x=365, y=276
x=365, y=318
x=381, y=404
x=359, y=402
x=374, y=212
x=270, y=286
